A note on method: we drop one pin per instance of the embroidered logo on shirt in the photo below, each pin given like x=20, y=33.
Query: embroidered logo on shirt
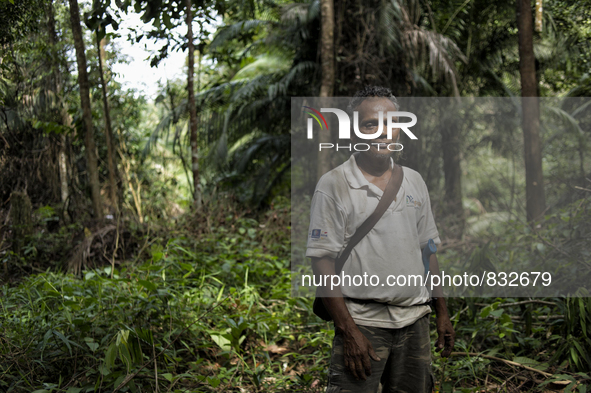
x=316, y=234
x=410, y=202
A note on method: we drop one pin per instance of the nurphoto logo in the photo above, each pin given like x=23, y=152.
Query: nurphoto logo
x=392, y=123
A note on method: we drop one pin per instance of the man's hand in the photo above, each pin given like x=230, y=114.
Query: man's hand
x=445, y=331
x=357, y=351
x=446, y=335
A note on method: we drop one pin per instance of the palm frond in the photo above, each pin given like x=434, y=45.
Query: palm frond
x=301, y=13
x=567, y=119
x=229, y=32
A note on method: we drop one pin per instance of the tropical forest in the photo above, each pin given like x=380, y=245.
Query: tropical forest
x=150, y=194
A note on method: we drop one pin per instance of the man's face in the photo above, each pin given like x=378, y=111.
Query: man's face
x=369, y=118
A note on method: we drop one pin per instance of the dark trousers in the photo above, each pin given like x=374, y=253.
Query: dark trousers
x=405, y=365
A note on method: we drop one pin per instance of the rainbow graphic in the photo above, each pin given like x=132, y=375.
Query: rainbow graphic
x=316, y=117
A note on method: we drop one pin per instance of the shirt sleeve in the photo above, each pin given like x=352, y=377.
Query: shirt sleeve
x=426, y=227
x=327, y=227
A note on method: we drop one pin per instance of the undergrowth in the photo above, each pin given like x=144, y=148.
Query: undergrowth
x=205, y=306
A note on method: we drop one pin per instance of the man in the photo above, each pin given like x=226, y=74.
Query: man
x=381, y=330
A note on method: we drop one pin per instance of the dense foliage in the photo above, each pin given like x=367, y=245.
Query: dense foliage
x=214, y=311
x=157, y=294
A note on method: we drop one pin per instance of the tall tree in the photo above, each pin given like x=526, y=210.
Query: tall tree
x=91, y=156
x=111, y=160
x=327, y=61
x=65, y=115
x=166, y=16
x=534, y=177
x=192, y=107
x=451, y=149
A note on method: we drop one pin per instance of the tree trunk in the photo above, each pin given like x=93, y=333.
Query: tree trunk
x=91, y=156
x=20, y=217
x=63, y=105
x=534, y=178
x=63, y=168
x=113, y=175
x=452, y=170
x=328, y=74
x=193, y=109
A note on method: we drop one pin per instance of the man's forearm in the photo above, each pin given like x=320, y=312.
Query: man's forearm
x=357, y=349
x=446, y=340
x=439, y=304
x=333, y=298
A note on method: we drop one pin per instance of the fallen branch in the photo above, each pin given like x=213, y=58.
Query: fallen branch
x=511, y=363
x=542, y=317
x=519, y=303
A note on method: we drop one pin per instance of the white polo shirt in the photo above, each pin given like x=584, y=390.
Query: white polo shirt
x=343, y=200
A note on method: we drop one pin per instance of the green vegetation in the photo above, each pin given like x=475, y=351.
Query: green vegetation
x=215, y=313
x=140, y=287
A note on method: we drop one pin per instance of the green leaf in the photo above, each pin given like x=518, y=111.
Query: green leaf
x=125, y=356
x=581, y=351
x=121, y=378
x=148, y=285
x=132, y=386
x=168, y=376
x=104, y=370
x=526, y=361
x=221, y=341
x=213, y=381
x=111, y=355
x=505, y=319
x=64, y=340
x=93, y=346
x=166, y=20
x=46, y=338
x=574, y=356
x=135, y=350
x=122, y=337
x=100, y=34
x=145, y=335
x=186, y=266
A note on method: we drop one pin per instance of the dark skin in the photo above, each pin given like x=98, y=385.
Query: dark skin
x=375, y=166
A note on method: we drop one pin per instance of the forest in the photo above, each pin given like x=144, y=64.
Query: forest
x=147, y=236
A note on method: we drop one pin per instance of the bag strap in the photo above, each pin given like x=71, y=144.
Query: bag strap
x=389, y=195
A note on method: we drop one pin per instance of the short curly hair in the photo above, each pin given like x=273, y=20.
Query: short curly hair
x=368, y=92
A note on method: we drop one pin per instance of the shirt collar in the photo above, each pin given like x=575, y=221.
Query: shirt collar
x=355, y=177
